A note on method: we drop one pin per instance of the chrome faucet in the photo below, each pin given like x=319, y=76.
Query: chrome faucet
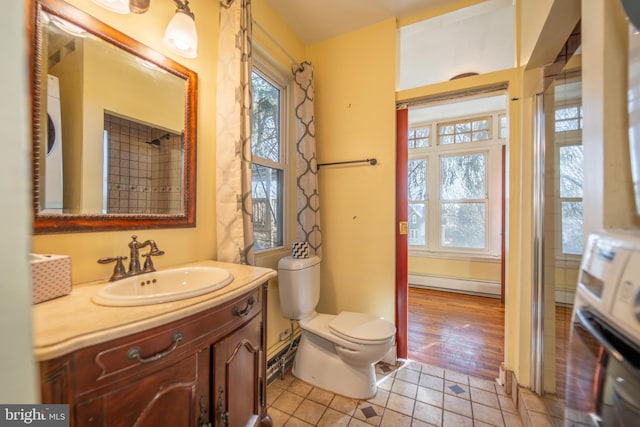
x=134, y=262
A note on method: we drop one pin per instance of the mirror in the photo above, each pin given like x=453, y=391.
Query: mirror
x=114, y=127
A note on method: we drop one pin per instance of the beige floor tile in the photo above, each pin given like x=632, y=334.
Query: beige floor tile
x=401, y=404
x=433, y=370
x=427, y=380
x=272, y=394
x=333, y=418
x=371, y=414
x=343, y=404
x=512, y=419
x=456, y=376
x=381, y=398
x=321, y=396
x=300, y=387
x=482, y=384
x=456, y=389
x=418, y=423
x=395, y=419
x=487, y=415
x=506, y=404
x=295, y=422
x=404, y=388
x=457, y=405
x=358, y=423
x=427, y=413
x=485, y=397
x=408, y=375
x=539, y=419
x=310, y=411
x=411, y=365
x=449, y=419
x=430, y=396
x=278, y=417
x=385, y=383
x=288, y=402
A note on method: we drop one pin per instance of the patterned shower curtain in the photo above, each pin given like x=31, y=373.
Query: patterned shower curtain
x=234, y=210
x=308, y=208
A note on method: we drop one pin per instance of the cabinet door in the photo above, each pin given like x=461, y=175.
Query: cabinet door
x=176, y=395
x=237, y=377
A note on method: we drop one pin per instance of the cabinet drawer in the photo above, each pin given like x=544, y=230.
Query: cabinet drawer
x=136, y=355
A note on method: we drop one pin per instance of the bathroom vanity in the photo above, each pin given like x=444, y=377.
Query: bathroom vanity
x=195, y=362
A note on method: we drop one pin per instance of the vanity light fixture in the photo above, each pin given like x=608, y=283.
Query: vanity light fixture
x=181, y=35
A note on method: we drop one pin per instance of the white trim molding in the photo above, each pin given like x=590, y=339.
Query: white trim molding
x=455, y=284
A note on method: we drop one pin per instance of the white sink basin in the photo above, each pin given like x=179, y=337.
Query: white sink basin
x=163, y=286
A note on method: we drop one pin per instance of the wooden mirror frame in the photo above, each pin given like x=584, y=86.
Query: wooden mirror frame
x=56, y=223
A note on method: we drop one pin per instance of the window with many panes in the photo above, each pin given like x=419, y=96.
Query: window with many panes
x=268, y=167
x=454, y=185
x=568, y=138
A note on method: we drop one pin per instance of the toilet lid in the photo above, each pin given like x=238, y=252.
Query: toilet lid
x=362, y=327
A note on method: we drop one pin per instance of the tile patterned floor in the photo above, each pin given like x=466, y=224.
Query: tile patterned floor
x=411, y=395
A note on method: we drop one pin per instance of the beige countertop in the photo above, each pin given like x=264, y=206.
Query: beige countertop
x=74, y=321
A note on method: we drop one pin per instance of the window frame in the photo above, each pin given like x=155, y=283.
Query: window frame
x=433, y=202
x=279, y=79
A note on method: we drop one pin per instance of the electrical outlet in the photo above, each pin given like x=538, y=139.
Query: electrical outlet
x=285, y=334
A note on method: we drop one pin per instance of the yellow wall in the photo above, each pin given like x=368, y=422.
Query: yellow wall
x=180, y=245
x=355, y=119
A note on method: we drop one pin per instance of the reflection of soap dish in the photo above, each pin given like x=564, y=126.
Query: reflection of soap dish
x=51, y=276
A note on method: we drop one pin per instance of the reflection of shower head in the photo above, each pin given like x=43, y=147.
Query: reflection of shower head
x=156, y=142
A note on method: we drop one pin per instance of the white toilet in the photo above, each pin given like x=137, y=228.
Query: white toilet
x=336, y=352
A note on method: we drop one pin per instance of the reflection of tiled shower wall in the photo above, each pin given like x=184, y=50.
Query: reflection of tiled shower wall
x=143, y=177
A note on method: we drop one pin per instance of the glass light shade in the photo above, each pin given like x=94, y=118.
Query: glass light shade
x=181, y=36
x=117, y=6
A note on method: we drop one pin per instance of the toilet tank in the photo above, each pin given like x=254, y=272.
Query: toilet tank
x=299, y=286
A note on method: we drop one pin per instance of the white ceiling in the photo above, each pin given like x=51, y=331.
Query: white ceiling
x=317, y=20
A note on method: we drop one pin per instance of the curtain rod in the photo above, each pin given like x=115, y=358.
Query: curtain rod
x=370, y=161
x=275, y=42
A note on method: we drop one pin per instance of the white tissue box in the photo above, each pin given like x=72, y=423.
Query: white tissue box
x=51, y=276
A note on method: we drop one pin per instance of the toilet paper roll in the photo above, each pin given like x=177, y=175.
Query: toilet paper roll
x=300, y=250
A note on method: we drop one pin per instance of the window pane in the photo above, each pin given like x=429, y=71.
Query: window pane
x=446, y=139
x=572, y=228
x=265, y=123
x=481, y=125
x=463, y=177
x=481, y=135
x=463, y=127
x=267, y=190
x=446, y=129
x=571, y=173
x=419, y=137
x=417, y=224
x=504, y=126
x=417, y=180
x=463, y=225
x=463, y=137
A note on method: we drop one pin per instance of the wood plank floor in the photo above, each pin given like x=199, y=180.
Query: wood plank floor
x=461, y=332
x=465, y=333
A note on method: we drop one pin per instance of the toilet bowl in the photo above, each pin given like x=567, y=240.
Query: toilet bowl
x=336, y=352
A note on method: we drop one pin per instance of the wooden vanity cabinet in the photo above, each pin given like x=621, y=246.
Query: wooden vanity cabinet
x=208, y=369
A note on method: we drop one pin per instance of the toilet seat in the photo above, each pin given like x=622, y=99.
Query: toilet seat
x=362, y=328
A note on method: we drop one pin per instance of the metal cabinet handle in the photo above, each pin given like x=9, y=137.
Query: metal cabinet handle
x=135, y=353
x=236, y=312
x=223, y=415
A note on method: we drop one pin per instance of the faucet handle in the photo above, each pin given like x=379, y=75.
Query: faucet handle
x=148, y=263
x=118, y=271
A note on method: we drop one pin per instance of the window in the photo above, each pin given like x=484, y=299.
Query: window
x=268, y=168
x=568, y=139
x=454, y=187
